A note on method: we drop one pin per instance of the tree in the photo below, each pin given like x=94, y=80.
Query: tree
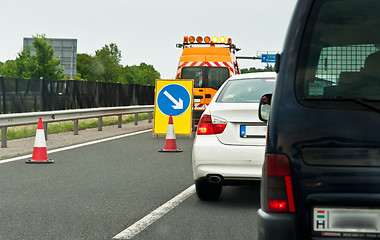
x=89, y=68
x=148, y=74
x=143, y=74
x=42, y=64
x=130, y=74
x=9, y=69
x=83, y=65
x=21, y=67
x=109, y=57
x=47, y=66
x=105, y=66
x=267, y=68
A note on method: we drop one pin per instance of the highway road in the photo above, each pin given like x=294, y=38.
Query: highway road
x=106, y=189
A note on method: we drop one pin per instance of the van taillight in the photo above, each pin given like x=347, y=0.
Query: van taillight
x=208, y=125
x=279, y=190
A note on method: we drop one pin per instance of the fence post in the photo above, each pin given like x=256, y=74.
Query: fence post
x=45, y=130
x=136, y=118
x=76, y=126
x=150, y=117
x=3, y=106
x=100, y=119
x=3, y=137
x=119, y=121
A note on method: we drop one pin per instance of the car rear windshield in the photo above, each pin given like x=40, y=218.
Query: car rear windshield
x=248, y=90
x=339, y=61
x=206, y=77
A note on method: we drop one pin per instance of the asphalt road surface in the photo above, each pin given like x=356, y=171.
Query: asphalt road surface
x=101, y=190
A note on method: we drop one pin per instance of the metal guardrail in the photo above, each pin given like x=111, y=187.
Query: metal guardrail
x=20, y=119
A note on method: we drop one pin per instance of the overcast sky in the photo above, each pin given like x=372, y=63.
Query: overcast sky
x=147, y=30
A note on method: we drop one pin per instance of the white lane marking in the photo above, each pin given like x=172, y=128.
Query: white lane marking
x=143, y=223
x=75, y=146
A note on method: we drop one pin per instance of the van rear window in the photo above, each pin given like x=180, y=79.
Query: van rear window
x=248, y=90
x=339, y=61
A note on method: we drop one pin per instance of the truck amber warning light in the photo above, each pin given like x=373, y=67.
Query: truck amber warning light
x=206, y=40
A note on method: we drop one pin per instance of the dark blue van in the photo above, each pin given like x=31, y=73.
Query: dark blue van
x=321, y=175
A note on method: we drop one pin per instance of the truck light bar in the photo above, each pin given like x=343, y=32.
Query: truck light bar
x=206, y=40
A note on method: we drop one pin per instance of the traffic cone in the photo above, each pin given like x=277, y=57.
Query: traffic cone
x=170, y=141
x=39, y=150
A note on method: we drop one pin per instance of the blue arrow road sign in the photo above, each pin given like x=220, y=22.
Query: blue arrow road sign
x=173, y=99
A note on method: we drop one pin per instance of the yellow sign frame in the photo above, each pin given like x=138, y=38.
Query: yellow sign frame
x=183, y=122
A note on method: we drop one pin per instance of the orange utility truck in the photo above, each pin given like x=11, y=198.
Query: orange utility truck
x=209, y=62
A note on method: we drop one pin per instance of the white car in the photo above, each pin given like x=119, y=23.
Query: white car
x=230, y=141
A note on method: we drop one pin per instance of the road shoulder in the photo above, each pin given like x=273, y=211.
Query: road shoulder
x=19, y=147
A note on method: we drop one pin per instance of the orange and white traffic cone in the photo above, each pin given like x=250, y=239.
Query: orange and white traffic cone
x=170, y=141
x=39, y=150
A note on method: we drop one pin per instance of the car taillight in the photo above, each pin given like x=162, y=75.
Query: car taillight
x=279, y=191
x=210, y=125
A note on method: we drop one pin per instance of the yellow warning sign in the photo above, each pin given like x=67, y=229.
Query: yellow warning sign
x=173, y=97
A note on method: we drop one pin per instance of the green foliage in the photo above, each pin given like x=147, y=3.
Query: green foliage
x=109, y=57
x=21, y=67
x=143, y=74
x=47, y=66
x=105, y=66
x=9, y=69
x=89, y=68
x=268, y=68
x=42, y=64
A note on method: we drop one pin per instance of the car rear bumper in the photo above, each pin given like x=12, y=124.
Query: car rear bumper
x=276, y=226
x=231, y=161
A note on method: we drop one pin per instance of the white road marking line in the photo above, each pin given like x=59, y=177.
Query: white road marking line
x=75, y=146
x=143, y=223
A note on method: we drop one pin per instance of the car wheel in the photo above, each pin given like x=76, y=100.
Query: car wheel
x=208, y=191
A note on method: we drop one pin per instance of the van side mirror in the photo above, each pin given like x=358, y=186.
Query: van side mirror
x=264, y=107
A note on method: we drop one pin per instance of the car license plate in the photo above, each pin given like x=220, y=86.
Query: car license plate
x=252, y=131
x=346, y=222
